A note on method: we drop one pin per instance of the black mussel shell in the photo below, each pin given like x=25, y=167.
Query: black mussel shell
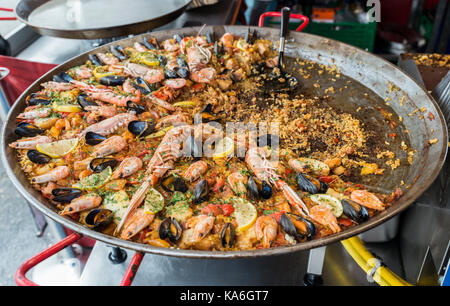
x=84, y=101
x=62, y=77
x=98, y=217
x=181, y=62
x=183, y=72
x=270, y=140
x=174, y=183
x=210, y=37
x=323, y=187
x=162, y=60
x=207, y=113
x=355, y=211
x=170, y=74
x=266, y=191
x=141, y=128
x=99, y=164
x=227, y=236
x=193, y=147
x=290, y=228
x=201, y=191
x=141, y=85
x=25, y=129
x=151, y=44
x=292, y=81
x=252, y=188
x=65, y=194
x=118, y=52
x=218, y=48
x=95, y=60
x=35, y=99
x=250, y=37
x=134, y=107
x=112, y=80
x=94, y=138
x=305, y=184
x=178, y=38
x=37, y=157
x=170, y=228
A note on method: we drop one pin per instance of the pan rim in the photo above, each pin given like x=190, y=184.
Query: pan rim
x=373, y=222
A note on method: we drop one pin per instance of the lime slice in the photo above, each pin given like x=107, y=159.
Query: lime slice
x=67, y=108
x=331, y=202
x=154, y=202
x=245, y=214
x=94, y=181
x=224, y=148
x=58, y=148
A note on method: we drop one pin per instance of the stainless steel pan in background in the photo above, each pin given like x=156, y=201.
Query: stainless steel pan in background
x=373, y=74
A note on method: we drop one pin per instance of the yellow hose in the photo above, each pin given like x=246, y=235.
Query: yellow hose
x=383, y=276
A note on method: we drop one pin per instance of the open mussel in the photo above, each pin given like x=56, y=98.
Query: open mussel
x=181, y=62
x=135, y=108
x=207, y=113
x=84, y=101
x=141, y=128
x=171, y=74
x=162, y=59
x=112, y=80
x=354, y=211
x=95, y=60
x=201, y=191
x=183, y=72
x=142, y=86
x=62, y=77
x=94, y=138
x=35, y=99
x=99, y=164
x=37, y=157
x=170, y=228
x=98, y=217
x=218, y=48
x=65, y=194
x=270, y=140
x=118, y=52
x=251, y=36
x=25, y=129
x=310, y=184
x=227, y=235
x=174, y=183
x=151, y=44
x=258, y=190
x=266, y=191
x=178, y=38
x=297, y=226
x=210, y=37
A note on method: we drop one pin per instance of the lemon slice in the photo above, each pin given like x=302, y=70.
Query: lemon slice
x=184, y=104
x=58, y=148
x=154, y=202
x=245, y=214
x=224, y=148
x=67, y=108
x=242, y=44
x=331, y=202
x=94, y=181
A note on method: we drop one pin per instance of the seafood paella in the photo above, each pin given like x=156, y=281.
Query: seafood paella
x=198, y=143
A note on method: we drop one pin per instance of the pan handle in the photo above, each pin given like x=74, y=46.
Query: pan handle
x=278, y=14
x=132, y=269
x=20, y=276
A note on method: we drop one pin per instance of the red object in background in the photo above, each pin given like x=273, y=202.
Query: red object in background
x=395, y=12
x=21, y=75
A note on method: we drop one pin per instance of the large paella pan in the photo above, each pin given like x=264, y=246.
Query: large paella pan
x=357, y=141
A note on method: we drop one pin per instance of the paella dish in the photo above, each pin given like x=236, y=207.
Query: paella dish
x=199, y=142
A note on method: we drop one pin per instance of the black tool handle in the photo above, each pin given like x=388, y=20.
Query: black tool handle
x=285, y=14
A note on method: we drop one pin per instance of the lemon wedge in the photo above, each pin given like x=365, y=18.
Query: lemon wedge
x=242, y=45
x=154, y=202
x=94, y=181
x=224, y=148
x=328, y=201
x=67, y=108
x=245, y=214
x=184, y=104
x=58, y=148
